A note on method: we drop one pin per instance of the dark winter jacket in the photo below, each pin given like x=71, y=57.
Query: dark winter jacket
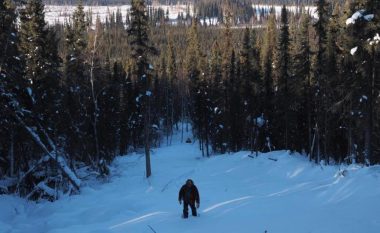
x=189, y=194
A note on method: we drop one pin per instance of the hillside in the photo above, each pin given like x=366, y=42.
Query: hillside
x=275, y=192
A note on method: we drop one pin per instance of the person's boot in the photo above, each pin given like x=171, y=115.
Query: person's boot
x=185, y=214
x=194, y=211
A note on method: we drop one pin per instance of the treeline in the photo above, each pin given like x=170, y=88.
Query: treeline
x=288, y=2
x=210, y=11
x=88, y=2
x=173, y=2
x=74, y=96
x=305, y=85
x=241, y=10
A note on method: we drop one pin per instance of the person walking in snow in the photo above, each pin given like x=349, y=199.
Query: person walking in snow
x=190, y=196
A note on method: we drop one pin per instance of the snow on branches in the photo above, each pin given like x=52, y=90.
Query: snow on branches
x=357, y=15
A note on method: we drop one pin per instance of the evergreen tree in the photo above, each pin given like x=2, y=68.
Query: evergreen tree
x=344, y=103
x=172, y=71
x=333, y=130
x=283, y=125
x=267, y=60
x=321, y=82
x=165, y=98
x=118, y=93
x=248, y=87
x=141, y=48
x=301, y=86
x=197, y=86
x=256, y=91
x=75, y=81
x=365, y=53
x=38, y=45
x=12, y=91
x=217, y=102
x=229, y=85
x=234, y=117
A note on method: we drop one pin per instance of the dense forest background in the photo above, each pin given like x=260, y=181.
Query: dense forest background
x=172, y=2
x=75, y=96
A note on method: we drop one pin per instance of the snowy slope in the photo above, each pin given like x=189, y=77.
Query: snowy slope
x=238, y=194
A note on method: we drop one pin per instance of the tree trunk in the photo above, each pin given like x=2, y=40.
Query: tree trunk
x=147, y=136
x=182, y=114
x=119, y=150
x=147, y=155
x=167, y=113
x=325, y=142
x=286, y=113
x=11, y=154
x=59, y=160
x=206, y=136
x=369, y=121
x=351, y=152
x=95, y=102
x=309, y=118
x=318, y=157
x=251, y=133
x=171, y=114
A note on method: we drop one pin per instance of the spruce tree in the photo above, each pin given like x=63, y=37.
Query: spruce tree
x=248, y=87
x=283, y=125
x=141, y=49
x=234, y=119
x=217, y=102
x=267, y=60
x=365, y=54
x=321, y=104
x=197, y=89
x=229, y=84
x=12, y=90
x=38, y=45
x=172, y=71
x=75, y=82
x=301, y=85
x=333, y=126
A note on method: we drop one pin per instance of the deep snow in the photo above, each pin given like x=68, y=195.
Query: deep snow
x=238, y=194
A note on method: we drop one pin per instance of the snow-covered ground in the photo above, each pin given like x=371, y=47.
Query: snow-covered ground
x=312, y=10
x=61, y=13
x=238, y=194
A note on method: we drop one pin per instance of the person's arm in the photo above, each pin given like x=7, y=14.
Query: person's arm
x=197, y=199
x=180, y=195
